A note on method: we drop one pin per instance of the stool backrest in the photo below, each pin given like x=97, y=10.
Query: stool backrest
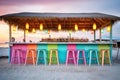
x=118, y=44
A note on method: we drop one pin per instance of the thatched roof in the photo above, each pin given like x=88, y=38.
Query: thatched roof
x=50, y=21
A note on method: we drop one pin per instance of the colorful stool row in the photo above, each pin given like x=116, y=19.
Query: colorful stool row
x=17, y=55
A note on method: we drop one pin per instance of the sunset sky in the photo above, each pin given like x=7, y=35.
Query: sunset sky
x=65, y=6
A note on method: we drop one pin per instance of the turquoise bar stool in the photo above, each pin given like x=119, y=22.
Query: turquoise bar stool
x=83, y=56
x=17, y=55
x=43, y=57
x=91, y=53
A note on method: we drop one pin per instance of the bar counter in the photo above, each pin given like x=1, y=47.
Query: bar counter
x=61, y=47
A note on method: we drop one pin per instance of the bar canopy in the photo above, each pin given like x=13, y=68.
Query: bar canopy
x=67, y=21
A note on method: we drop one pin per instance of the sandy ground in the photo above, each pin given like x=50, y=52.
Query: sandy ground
x=61, y=72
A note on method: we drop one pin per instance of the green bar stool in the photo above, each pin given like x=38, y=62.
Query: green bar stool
x=103, y=52
x=91, y=53
x=53, y=51
x=44, y=57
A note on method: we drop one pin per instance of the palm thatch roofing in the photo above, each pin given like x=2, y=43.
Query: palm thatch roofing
x=50, y=21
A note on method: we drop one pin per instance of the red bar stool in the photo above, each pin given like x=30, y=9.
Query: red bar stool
x=83, y=56
x=103, y=52
x=17, y=54
x=73, y=56
x=53, y=51
x=33, y=53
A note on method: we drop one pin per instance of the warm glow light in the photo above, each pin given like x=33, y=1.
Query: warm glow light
x=94, y=26
x=14, y=28
x=83, y=30
x=33, y=30
x=26, y=31
x=59, y=27
x=27, y=26
x=108, y=28
x=41, y=26
x=48, y=31
x=76, y=27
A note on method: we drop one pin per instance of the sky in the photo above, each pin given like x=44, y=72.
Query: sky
x=65, y=6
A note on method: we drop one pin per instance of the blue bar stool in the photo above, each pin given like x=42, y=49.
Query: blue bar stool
x=44, y=57
x=91, y=53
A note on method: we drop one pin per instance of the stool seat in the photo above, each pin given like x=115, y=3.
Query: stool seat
x=53, y=51
x=17, y=54
x=73, y=56
x=44, y=57
x=32, y=52
x=83, y=56
x=93, y=52
x=103, y=52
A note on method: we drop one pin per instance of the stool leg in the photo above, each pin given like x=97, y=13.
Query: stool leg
x=57, y=57
x=18, y=53
x=90, y=56
x=84, y=58
x=97, y=57
x=50, y=57
x=74, y=57
x=45, y=57
x=117, y=53
x=26, y=57
x=103, y=56
x=12, y=56
x=33, y=57
x=77, y=57
x=67, y=58
x=37, y=58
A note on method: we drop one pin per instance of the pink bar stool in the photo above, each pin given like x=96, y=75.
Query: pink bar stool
x=17, y=54
x=32, y=52
x=73, y=56
x=83, y=56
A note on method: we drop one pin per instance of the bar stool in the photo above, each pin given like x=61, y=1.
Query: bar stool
x=53, y=51
x=103, y=52
x=83, y=56
x=41, y=51
x=91, y=53
x=17, y=53
x=73, y=56
x=33, y=52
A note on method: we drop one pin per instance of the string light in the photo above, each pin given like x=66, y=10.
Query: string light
x=33, y=30
x=76, y=27
x=59, y=27
x=41, y=26
x=108, y=28
x=27, y=26
x=94, y=26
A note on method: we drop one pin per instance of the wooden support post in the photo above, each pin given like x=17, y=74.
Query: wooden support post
x=100, y=34
x=94, y=35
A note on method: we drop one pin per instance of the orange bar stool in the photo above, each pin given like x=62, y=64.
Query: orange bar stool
x=44, y=57
x=91, y=53
x=83, y=56
x=31, y=52
x=103, y=52
x=17, y=54
x=68, y=56
x=53, y=51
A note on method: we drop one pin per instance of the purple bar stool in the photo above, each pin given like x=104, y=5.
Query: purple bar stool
x=83, y=56
x=73, y=56
x=17, y=54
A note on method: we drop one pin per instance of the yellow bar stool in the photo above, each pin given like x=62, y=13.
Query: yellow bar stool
x=103, y=52
x=53, y=51
x=30, y=52
x=17, y=54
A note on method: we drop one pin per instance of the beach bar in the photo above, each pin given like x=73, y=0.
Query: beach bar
x=66, y=22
